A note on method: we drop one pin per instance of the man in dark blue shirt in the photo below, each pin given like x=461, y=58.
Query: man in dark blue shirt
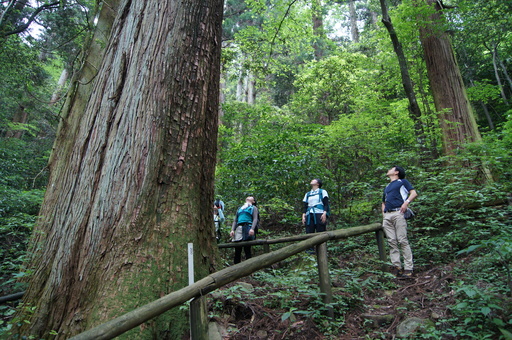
x=397, y=196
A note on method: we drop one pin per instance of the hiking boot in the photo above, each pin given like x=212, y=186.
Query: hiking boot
x=398, y=271
x=407, y=273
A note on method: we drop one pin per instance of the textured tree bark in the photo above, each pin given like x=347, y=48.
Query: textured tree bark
x=131, y=173
x=456, y=116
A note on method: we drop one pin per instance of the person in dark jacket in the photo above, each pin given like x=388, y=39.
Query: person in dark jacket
x=398, y=194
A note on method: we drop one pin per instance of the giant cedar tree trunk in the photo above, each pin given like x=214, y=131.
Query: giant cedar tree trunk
x=132, y=174
x=456, y=116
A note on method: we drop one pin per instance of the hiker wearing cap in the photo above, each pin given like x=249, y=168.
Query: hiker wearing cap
x=244, y=227
x=316, y=208
x=398, y=194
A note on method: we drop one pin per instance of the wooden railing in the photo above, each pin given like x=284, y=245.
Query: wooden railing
x=197, y=290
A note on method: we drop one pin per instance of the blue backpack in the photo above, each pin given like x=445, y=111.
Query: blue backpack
x=248, y=214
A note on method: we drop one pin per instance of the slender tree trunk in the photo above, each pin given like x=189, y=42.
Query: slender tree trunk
x=318, y=28
x=354, y=31
x=60, y=86
x=497, y=74
x=374, y=18
x=487, y=115
x=505, y=71
x=414, y=108
x=131, y=187
x=456, y=116
x=251, y=89
x=222, y=95
x=20, y=117
x=240, y=89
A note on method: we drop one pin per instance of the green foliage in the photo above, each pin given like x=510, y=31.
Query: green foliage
x=483, y=92
x=478, y=314
x=273, y=158
x=22, y=181
x=331, y=86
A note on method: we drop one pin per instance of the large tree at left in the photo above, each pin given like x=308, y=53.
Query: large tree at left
x=132, y=170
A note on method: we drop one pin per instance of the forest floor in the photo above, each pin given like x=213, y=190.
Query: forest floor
x=371, y=304
x=380, y=314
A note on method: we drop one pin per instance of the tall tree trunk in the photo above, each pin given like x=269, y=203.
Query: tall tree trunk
x=251, y=89
x=222, y=95
x=456, y=116
x=414, y=108
x=497, y=74
x=19, y=118
x=505, y=71
x=487, y=115
x=318, y=28
x=240, y=92
x=60, y=86
x=130, y=189
x=354, y=31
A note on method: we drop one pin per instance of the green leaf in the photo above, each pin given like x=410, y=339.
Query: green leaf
x=498, y=322
x=469, y=249
x=285, y=316
x=485, y=310
x=461, y=305
x=506, y=334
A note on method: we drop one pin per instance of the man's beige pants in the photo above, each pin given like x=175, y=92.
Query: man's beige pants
x=395, y=227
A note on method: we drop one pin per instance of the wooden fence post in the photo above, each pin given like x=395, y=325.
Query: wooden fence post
x=198, y=319
x=379, y=235
x=266, y=248
x=325, y=279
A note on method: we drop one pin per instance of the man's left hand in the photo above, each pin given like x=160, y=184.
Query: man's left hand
x=251, y=232
x=323, y=218
x=403, y=208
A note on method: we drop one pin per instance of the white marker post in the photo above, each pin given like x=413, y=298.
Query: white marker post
x=198, y=312
x=190, y=263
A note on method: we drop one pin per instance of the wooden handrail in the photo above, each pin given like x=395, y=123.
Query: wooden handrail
x=266, y=241
x=123, y=323
x=11, y=297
